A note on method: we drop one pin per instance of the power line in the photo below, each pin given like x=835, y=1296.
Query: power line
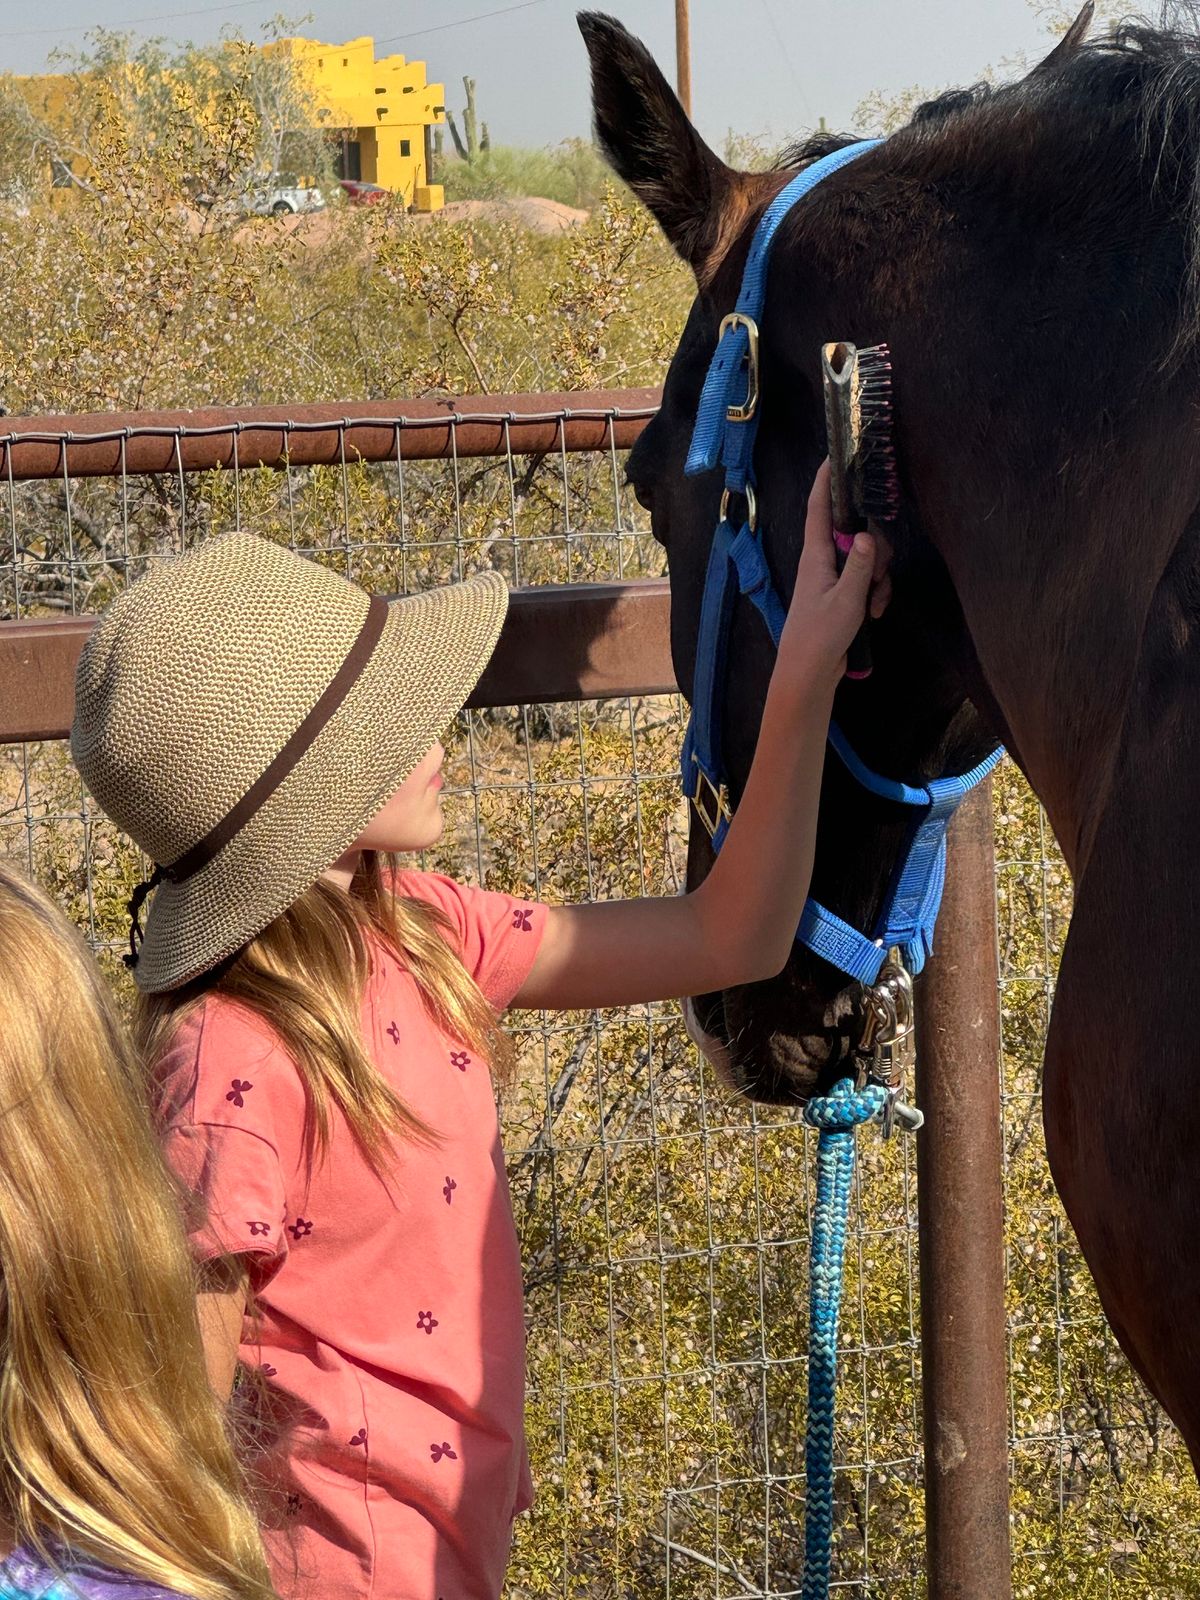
x=242, y=5
x=126, y=22
x=785, y=53
x=397, y=38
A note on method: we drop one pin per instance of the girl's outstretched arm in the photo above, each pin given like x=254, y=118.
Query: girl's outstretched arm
x=739, y=924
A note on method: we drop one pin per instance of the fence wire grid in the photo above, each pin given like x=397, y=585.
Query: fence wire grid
x=664, y=1224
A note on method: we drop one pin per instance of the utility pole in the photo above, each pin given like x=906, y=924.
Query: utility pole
x=683, y=56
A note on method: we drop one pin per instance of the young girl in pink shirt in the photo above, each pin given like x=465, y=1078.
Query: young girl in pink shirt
x=321, y=1023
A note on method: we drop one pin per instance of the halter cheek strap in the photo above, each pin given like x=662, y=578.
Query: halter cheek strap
x=724, y=435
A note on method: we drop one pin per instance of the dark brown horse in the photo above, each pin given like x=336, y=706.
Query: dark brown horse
x=1030, y=255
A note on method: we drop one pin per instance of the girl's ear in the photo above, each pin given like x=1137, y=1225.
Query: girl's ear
x=649, y=142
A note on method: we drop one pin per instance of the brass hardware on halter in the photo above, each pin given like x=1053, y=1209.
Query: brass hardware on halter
x=747, y=495
x=885, y=1049
x=738, y=319
x=713, y=796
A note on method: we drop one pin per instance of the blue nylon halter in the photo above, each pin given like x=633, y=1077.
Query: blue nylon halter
x=737, y=566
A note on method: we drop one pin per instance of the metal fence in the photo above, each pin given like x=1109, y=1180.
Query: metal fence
x=664, y=1225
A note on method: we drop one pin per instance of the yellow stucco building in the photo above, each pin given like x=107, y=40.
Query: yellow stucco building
x=381, y=110
x=376, y=113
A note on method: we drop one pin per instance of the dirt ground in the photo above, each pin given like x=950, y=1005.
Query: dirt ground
x=532, y=212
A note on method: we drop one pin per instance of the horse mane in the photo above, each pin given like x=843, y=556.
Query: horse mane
x=1136, y=92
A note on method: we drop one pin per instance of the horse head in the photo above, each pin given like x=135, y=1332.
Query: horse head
x=973, y=243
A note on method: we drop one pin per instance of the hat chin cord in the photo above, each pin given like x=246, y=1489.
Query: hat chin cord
x=136, y=901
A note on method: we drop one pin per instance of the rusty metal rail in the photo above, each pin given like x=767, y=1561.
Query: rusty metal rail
x=112, y=444
x=585, y=641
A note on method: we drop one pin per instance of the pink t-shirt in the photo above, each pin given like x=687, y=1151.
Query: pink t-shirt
x=387, y=1417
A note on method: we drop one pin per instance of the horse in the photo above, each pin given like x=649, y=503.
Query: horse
x=1029, y=253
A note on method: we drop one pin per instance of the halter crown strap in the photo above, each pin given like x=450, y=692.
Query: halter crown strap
x=713, y=441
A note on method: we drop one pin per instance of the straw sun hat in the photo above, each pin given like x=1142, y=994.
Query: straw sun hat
x=243, y=713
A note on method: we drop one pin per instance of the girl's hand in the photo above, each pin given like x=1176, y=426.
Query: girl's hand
x=739, y=925
x=827, y=609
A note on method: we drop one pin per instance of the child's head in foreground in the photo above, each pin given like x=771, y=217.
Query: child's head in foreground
x=112, y=1447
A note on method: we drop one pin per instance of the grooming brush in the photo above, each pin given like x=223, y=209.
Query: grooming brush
x=862, y=458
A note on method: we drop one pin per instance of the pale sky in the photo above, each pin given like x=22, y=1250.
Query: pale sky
x=762, y=67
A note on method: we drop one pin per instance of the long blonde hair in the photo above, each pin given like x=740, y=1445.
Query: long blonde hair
x=305, y=974
x=111, y=1441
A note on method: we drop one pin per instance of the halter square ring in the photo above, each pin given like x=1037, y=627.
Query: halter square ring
x=738, y=319
x=711, y=801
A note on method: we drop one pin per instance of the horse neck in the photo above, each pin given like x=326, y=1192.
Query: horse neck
x=1059, y=610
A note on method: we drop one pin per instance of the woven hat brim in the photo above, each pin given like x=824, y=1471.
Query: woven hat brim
x=432, y=650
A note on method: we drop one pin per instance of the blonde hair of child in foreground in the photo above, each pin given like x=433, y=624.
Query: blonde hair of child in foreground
x=112, y=1447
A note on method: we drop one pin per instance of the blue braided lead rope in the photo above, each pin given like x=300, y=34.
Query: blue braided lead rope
x=836, y=1116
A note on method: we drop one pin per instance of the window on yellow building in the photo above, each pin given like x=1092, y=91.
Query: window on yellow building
x=406, y=147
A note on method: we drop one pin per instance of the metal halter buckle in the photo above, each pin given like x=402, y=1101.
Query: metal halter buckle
x=886, y=1047
x=738, y=319
x=715, y=796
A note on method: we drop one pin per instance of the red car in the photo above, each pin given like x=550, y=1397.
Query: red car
x=361, y=194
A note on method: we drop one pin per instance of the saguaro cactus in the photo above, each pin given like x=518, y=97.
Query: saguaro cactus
x=469, y=143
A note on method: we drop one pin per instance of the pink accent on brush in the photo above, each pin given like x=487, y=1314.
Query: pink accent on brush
x=844, y=541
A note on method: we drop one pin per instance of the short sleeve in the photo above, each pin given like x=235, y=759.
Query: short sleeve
x=498, y=934
x=236, y=1201
x=228, y=1099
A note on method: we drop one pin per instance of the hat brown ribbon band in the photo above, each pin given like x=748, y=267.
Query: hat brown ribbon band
x=264, y=787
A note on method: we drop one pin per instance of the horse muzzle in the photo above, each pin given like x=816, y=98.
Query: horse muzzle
x=773, y=1043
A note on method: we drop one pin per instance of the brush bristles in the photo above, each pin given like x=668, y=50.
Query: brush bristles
x=875, y=485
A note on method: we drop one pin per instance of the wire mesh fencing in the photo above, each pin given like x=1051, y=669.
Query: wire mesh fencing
x=664, y=1225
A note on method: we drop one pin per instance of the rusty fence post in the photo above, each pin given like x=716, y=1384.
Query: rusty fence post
x=960, y=1203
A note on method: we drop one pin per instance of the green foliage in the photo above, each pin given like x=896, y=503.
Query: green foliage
x=197, y=121
x=749, y=152
x=573, y=173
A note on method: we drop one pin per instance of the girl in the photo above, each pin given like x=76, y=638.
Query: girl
x=116, y=1478
x=320, y=1023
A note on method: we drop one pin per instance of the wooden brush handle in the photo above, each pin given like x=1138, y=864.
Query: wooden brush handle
x=839, y=370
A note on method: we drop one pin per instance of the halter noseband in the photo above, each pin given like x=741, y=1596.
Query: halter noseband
x=724, y=435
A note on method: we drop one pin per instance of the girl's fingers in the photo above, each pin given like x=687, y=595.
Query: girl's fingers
x=818, y=553
x=854, y=585
x=866, y=582
x=819, y=511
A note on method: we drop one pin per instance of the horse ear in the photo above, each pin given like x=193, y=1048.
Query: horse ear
x=649, y=142
x=1069, y=43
